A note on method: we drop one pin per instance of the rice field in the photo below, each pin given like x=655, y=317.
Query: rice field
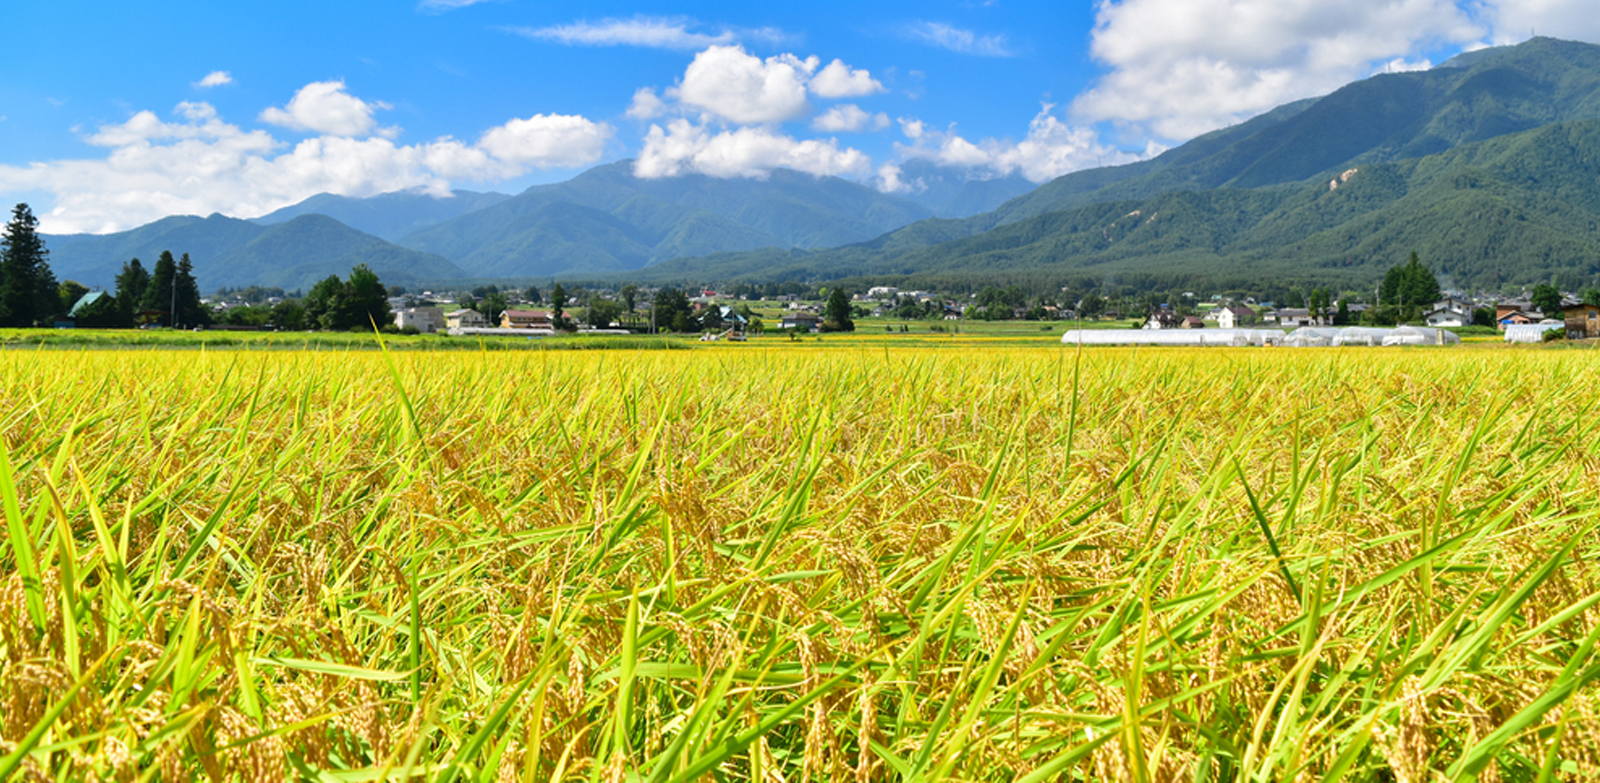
x=838, y=563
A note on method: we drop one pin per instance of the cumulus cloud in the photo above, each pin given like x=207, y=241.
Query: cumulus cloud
x=838, y=80
x=684, y=147
x=547, y=141
x=215, y=79
x=955, y=39
x=849, y=118
x=655, y=32
x=739, y=87
x=1179, y=68
x=325, y=107
x=1051, y=148
x=646, y=105
x=196, y=163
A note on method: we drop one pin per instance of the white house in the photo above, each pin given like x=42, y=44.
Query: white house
x=1236, y=318
x=427, y=320
x=465, y=318
x=1445, y=316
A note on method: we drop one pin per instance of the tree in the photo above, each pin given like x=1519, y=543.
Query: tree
x=366, y=300
x=533, y=295
x=1092, y=306
x=602, y=312
x=630, y=296
x=1547, y=299
x=288, y=315
x=320, y=302
x=1341, y=317
x=1590, y=296
x=1420, y=287
x=70, y=292
x=190, y=311
x=28, y=292
x=558, y=305
x=1319, y=302
x=161, y=293
x=837, y=312
x=492, y=306
x=670, y=304
x=132, y=283
x=1295, y=298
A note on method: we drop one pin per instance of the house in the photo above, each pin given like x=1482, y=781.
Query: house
x=882, y=292
x=1516, y=318
x=1295, y=316
x=526, y=319
x=723, y=317
x=1163, y=319
x=465, y=318
x=1505, y=310
x=1583, y=321
x=1236, y=317
x=1446, y=316
x=426, y=320
x=1449, y=311
x=1191, y=322
x=803, y=321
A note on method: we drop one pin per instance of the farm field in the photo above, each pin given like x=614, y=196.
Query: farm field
x=848, y=559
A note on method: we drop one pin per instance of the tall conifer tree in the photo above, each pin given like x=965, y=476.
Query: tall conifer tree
x=28, y=292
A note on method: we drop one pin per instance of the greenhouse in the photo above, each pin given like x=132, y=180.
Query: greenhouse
x=1233, y=337
x=1323, y=337
x=1532, y=333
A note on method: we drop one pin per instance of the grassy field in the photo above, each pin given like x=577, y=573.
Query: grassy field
x=847, y=560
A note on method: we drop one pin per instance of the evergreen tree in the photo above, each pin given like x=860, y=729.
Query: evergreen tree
x=671, y=306
x=190, y=312
x=837, y=311
x=28, y=292
x=1341, y=317
x=132, y=283
x=161, y=294
x=558, y=304
x=1420, y=288
x=366, y=301
x=533, y=295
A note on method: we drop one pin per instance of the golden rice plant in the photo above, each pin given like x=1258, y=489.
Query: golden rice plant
x=799, y=563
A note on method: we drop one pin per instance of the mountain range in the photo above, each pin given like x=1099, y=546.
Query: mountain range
x=1485, y=165
x=230, y=252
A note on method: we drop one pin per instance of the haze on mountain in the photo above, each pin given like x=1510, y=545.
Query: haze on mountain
x=388, y=216
x=1482, y=164
x=231, y=252
x=608, y=220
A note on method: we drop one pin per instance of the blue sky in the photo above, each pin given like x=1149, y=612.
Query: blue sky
x=114, y=115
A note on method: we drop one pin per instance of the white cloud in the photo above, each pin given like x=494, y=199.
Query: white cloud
x=1183, y=67
x=838, y=80
x=547, y=141
x=1513, y=21
x=743, y=88
x=215, y=79
x=655, y=32
x=441, y=6
x=646, y=105
x=1052, y=148
x=849, y=118
x=958, y=40
x=325, y=107
x=197, y=163
x=689, y=148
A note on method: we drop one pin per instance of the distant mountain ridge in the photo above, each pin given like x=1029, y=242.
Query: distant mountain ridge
x=231, y=252
x=388, y=216
x=1438, y=153
x=608, y=220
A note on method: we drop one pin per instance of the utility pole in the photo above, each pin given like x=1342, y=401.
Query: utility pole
x=172, y=315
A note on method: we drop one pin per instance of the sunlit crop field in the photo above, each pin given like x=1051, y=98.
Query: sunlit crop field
x=772, y=562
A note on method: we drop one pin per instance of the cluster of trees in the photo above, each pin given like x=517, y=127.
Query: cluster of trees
x=1406, y=290
x=357, y=303
x=166, y=294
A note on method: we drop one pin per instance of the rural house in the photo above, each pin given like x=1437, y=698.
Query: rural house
x=465, y=318
x=1583, y=320
x=804, y=321
x=526, y=319
x=426, y=320
x=1236, y=317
